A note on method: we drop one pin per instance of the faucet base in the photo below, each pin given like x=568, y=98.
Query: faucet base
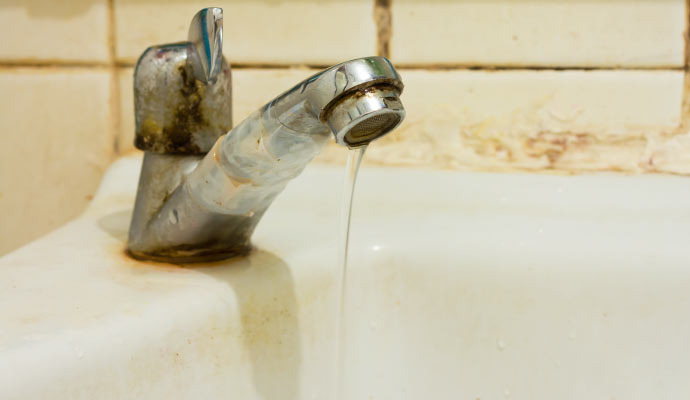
x=170, y=225
x=191, y=255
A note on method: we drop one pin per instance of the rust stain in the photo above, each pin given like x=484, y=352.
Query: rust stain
x=356, y=93
x=194, y=255
x=554, y=145
x=231, y=241
x=562, y=153
x=123, y=254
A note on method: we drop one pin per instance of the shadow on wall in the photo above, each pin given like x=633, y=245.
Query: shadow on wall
x=268, y=312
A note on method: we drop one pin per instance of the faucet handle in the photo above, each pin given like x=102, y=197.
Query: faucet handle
x=183, y=91
x=206, y=37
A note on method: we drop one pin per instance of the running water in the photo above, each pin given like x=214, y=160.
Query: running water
x=354, y=158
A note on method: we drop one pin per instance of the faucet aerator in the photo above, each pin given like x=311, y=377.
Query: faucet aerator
x=366, y=116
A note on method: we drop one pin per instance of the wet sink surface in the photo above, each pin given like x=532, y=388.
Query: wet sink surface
x=461, y=285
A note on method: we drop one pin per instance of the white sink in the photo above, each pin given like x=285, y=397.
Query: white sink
x=462, y=286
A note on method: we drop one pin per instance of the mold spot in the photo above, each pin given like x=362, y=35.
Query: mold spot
x=176, y=136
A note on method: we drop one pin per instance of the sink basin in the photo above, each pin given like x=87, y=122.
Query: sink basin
x=461, y=286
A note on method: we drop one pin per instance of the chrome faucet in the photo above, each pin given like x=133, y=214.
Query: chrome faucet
x=202, y=192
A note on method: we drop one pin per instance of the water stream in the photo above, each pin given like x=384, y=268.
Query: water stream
x=354, y=159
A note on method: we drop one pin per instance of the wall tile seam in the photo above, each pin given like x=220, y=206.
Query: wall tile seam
x=67, y=64
x=686, y=35
x=684, y=125
x=383, y=19
x=114, y=95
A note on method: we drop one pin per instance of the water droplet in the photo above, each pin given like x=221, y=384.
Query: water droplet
x=174, y=219
x=572, y=335
x=506, y=393
x=78, y=352
x=501, y=344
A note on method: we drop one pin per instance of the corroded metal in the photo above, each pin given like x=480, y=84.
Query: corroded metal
x=182, y=103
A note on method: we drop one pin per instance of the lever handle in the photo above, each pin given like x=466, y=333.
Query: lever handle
x=206, y=36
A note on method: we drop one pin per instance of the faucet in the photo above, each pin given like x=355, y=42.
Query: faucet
x=202, y=191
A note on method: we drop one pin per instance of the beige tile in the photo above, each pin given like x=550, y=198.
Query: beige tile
x=54, y=30
x=56, y=145
x=252, y=88
x=539, y=33
x=567, y=120
x=264, y=31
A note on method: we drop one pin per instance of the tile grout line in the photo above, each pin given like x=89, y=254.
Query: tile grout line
x=526, y=67
x=9, y=64
x=383, y=18
x=64, y=64
x=686, y=35
x=114, y=98
x=685, y=101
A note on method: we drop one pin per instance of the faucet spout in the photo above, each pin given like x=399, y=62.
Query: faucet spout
x=358, y=100
x=207, y=207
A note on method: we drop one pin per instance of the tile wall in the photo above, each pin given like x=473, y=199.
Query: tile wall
x=558, y=86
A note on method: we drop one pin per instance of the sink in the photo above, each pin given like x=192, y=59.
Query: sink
x=461, y=286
